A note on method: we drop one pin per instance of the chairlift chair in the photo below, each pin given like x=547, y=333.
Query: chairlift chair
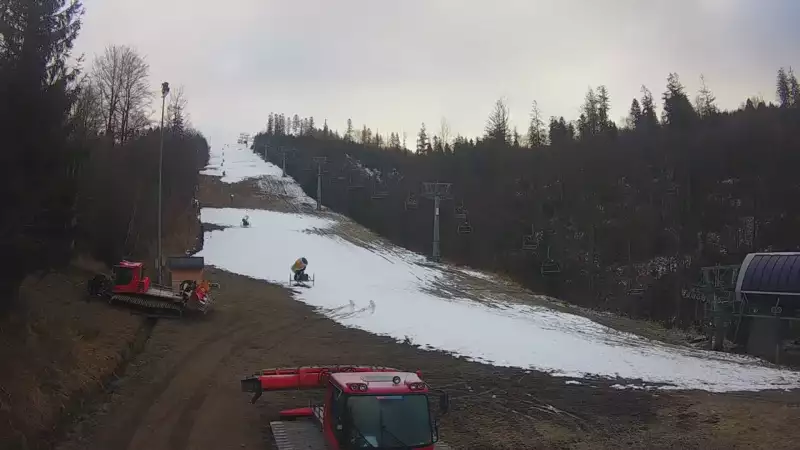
x=550, y=266
x=412, y=202
x=636, y=288
x=460, y=212
x=636, y=291
x=377, y=192
x=465, y=228
x=529, y=243
x=354, y=182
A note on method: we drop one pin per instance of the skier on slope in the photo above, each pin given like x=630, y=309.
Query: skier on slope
x=299, y=269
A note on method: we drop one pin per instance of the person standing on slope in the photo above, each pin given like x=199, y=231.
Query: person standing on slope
x=299, y=269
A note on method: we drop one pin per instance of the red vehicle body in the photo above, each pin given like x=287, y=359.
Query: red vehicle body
x=364, y=407
x=137, y=283
x=129, y=285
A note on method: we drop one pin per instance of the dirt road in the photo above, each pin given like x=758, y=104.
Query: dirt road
x=182, y=392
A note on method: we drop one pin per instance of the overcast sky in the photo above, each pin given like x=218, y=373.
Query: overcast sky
x=395, y=64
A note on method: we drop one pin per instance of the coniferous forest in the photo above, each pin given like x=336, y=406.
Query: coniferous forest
x=606, y=216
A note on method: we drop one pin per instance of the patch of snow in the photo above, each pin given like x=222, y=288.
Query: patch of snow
x=632, y=387
x=480, y=275
x=238, y=163
x=505, y=334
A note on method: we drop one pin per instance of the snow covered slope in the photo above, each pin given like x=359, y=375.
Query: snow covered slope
x=237, y=164
x=402, y=286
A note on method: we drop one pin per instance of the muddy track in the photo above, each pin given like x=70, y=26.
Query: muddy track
x=179, y=437
x=138, y=413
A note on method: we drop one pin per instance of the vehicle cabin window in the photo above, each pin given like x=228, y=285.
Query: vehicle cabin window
x=123, y=275
x=390, y=421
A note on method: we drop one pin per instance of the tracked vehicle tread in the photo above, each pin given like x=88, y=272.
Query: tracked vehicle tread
x=297, y=435
x=171, y=308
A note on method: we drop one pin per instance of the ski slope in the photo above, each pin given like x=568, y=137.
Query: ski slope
x=400, y=284
x=238, y=164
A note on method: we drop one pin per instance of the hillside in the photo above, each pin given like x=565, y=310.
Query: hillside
x=628, y=217
x=364, y=282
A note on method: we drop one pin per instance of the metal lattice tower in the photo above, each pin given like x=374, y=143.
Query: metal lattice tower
x=319, y=161
x=438, y=192
x=283, y=156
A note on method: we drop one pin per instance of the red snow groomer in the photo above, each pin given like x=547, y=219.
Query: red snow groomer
x=364, y=407
x=129, y=285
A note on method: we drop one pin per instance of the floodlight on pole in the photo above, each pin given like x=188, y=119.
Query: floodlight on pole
x=164, y=93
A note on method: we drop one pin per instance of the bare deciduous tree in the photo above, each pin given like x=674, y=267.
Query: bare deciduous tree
x=87, y=112
x=121, y=78
x=444, y=131
x=135, y=94
x=105, y=75
x=177, y=117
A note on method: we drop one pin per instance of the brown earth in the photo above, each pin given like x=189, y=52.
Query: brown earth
x=182, y=391
x=58, y=351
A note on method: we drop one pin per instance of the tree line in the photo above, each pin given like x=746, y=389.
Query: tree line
x=608, y=216
x=80, y=160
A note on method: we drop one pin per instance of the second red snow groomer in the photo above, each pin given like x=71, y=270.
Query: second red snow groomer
x=364, y=407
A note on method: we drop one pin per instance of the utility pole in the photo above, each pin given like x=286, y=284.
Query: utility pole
x=438, y=192
x=320, y=160
x=283, y=152
x=164, y=92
